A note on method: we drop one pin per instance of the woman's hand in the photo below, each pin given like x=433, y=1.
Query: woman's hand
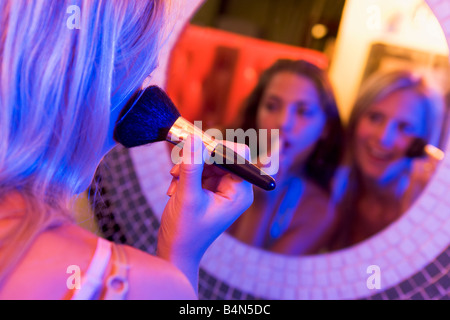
x=204, y=202
x=421, y=173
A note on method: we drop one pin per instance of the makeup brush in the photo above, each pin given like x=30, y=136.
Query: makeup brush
x=150, y=116
x=419, y=148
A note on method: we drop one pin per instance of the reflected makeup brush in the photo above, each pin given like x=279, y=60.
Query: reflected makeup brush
x=419, y=148
x=150, y=116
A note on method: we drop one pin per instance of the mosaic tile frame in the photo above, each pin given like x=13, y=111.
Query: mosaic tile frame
x=413, y=254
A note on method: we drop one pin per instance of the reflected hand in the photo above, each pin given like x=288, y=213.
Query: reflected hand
x=421, y=173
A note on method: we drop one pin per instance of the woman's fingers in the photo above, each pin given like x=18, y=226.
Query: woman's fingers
x=175, y=172
x=423, y=169
x=191, y=167
x=211, y=174
x=172, y=187
x=232, y=189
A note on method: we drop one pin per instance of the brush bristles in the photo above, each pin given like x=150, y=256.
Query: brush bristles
x=416, y=148
x=146, y=118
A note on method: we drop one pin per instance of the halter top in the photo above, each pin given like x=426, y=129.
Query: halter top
x=93, y=284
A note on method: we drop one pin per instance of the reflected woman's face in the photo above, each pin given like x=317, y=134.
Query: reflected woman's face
x=385, y=132
x=291, y=104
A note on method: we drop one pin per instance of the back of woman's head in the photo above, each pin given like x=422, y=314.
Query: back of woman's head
x=382, y=84
x=58, y=84
x=63, y=65
x=323, y=161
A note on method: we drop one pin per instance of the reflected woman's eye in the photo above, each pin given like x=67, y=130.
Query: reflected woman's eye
x=375, y=117
x=271, y=106
x=307, y=110
x=406, y=127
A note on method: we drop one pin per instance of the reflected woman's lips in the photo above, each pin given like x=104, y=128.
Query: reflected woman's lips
x=286, y=144
x=379, y=154
x=283, y=146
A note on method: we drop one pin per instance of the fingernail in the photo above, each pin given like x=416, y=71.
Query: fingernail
x=171, y=190
x=174, y=170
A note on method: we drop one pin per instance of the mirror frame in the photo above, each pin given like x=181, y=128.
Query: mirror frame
x=396, y=255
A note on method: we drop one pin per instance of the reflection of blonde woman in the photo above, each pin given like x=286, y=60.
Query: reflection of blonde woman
x=60, y=92
x=391, y=111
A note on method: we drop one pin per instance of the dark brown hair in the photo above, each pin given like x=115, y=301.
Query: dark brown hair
x=321, y=165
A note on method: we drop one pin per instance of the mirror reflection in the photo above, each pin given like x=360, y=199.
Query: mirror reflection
x=348, y=86
x=382, y=181
x=294, y=99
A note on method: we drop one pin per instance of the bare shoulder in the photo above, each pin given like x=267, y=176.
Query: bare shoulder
x=43, y=272
x=151, y=277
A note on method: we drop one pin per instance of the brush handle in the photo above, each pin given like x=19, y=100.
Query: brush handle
x=227, y=159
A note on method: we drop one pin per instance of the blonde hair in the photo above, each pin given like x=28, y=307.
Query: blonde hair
x=377, y=87
x=382, y=84
x=57, y=88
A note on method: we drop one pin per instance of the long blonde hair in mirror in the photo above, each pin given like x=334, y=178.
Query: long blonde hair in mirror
x=376, y=88
x=382, y=84
x=57, y=87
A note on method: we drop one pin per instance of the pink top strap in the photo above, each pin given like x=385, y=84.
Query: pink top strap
x=92, y=280
x=117, y=282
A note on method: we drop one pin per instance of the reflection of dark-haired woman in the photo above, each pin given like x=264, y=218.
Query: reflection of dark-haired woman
x=294, y=97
